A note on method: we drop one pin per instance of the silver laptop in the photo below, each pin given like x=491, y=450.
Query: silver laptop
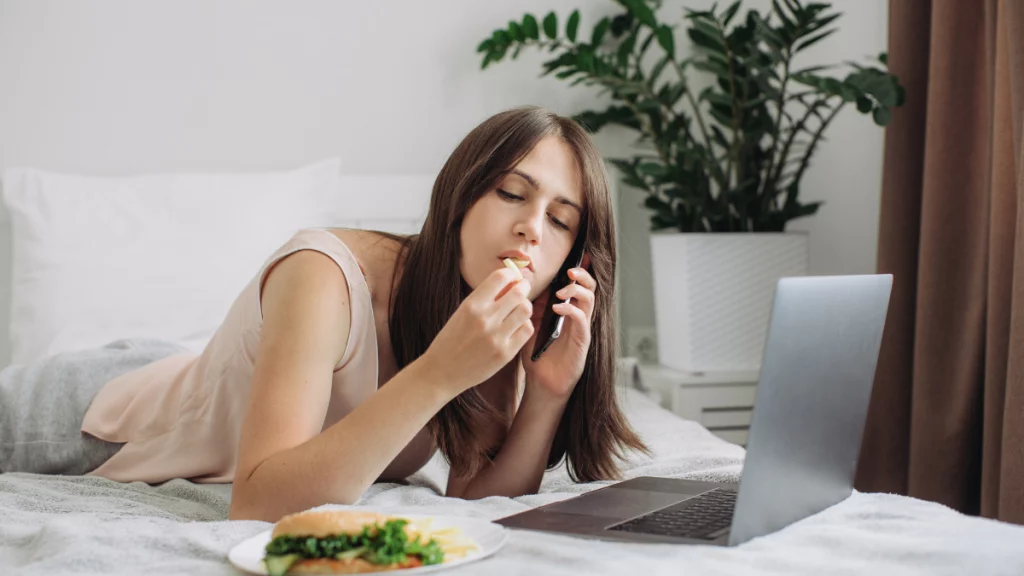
x=812, y=398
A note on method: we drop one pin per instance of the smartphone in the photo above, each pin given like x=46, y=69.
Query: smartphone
x=551, y=323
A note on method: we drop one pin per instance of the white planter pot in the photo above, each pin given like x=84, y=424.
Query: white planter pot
x=713, y=294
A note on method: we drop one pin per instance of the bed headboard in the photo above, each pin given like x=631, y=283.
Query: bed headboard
x=391, y=203
x=395, y=204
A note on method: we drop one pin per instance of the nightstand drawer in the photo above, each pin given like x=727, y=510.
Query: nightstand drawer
x=722, y=402
x=692, y=402
x=726, y=417
x=734, y=436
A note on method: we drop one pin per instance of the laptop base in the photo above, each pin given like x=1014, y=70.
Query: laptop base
x=591, y=515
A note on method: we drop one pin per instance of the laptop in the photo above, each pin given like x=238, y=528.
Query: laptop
x=818, y=367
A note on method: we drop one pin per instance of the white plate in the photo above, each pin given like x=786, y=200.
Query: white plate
x=491, y=537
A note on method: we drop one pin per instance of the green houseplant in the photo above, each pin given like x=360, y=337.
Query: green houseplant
x=730, y=156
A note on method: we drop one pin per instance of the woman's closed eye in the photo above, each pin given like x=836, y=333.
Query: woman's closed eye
x=514, y=198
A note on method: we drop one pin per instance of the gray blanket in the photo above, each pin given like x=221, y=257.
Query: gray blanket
x=42, y=405
x=57, y=525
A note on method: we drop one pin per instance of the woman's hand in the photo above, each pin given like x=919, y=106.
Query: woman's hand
x=485, y=332
x=558, y=369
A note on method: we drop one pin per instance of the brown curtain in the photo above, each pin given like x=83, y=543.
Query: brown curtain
x=946, y=421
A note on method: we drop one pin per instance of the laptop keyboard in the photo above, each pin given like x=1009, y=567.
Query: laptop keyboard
x=704, y=517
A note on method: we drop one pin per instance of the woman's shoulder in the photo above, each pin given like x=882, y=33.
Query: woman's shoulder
x=344, y=246
x=374, y=252
x=355, y=241
x=368, y=245
x=314, y=260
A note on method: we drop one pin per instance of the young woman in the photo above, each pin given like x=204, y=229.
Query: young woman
x=353, y=356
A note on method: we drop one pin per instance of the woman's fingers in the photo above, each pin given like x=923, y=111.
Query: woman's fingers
x=572, y=312
x=581, y=296
x=512, y=299
x=583, y=278
x=519, y=315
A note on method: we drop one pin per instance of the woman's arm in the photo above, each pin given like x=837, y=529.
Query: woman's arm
x=519, y=465
x=285, y=463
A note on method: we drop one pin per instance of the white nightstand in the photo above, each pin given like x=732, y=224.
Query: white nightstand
x=722, y=402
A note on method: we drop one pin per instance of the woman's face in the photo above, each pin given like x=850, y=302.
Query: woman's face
x=533, y=213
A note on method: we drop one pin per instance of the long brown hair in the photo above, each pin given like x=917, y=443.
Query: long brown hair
x=593, y=430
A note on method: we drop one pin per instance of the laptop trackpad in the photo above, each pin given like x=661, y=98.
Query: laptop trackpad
x=616, y=503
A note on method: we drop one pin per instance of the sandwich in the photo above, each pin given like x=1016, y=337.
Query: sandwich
x=354, y=542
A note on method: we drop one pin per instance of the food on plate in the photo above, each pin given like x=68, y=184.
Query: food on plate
x=516, y=264
x=354, y=542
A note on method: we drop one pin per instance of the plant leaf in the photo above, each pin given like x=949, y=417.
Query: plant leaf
x=551, y=25
x=730, y=12
x=815, y=39
x=564, y=59
x=646, y=43
x=586, y=60
x=712, y=32
x=653, y=169
x=788, y=24
x=712, y=66
x=572, y=25
x=667, y=40
x=715, y=98
x=626, y=48
x=864, y=104
x=530, y=27
x=701, y=39
x=766, y=31
x=599, y=31
x=674, y=93
x=876, y=83
x=621, y=24
x=642, y=11
x=719, y=136
x=811, y=70
x=656, y=71
x=515, y=31
x=882, y=116
x=821, y=23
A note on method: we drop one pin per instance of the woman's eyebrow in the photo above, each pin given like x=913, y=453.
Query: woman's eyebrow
x=533, y=182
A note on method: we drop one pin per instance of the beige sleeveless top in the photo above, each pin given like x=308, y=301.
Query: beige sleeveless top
x=181, y=417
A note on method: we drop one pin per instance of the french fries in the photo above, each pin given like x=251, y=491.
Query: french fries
x=516, y=264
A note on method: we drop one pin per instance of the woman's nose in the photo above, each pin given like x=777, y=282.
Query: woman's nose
x=530, y=227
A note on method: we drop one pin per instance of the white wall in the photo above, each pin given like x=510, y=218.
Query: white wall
x=116, y=86
x=120, y=87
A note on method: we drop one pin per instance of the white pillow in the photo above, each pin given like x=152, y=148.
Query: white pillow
x=97, y=259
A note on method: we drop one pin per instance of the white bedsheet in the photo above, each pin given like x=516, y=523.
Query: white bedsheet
x=83, y=525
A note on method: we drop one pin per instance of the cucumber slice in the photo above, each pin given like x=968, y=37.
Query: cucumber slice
x=350, y=554
x=279, y=565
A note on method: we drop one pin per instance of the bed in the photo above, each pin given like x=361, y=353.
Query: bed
x=57, y=525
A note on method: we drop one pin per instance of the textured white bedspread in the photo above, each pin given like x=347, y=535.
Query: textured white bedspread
x=57, y=525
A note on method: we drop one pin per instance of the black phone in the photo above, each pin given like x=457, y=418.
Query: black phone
x=551, y=323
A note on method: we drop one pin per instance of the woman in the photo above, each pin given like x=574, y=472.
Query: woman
x=354, y=355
